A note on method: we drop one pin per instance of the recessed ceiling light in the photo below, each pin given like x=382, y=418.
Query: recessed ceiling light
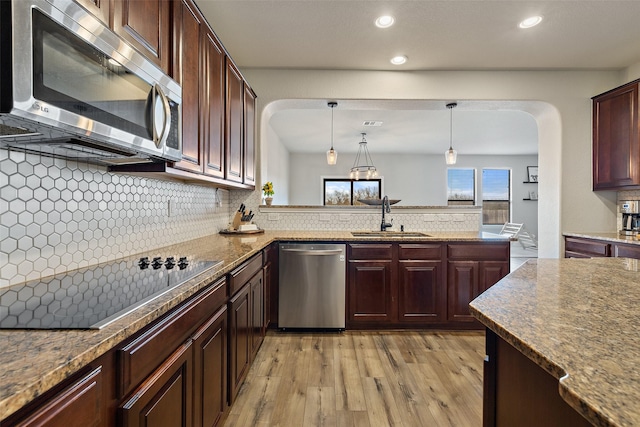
x=399, y=60
x=530, y=22
x=385, y=21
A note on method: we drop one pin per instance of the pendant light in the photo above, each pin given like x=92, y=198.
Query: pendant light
x=451, y=155
x=366, y=170
x=332, y=155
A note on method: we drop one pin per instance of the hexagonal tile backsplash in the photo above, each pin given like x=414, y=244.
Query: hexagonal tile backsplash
x=58, y=215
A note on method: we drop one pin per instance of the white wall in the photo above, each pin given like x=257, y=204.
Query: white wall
x=417, y=180
x=560, y=101
x=274, y=165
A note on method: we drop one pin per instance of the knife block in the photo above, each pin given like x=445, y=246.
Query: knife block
x=236, y=220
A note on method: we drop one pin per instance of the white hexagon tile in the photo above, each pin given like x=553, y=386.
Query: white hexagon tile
x=58, y=215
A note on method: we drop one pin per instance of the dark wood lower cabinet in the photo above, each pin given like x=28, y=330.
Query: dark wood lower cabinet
x=81, y=404
x=582, y=247
x=165, y=398
x=420, y=284
x=518, y=392
x=421, y=296
x=239, y=340
x=257, y=312
x=210, y=371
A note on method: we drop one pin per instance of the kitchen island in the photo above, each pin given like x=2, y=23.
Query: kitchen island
x=36, y=361
x=573, y=321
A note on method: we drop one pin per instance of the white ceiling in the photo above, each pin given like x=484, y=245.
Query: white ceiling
x=434, y=35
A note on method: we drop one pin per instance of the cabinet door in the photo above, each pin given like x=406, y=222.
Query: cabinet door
x=257, y=312
x=421, y=292
x=98, y=8
x=165, y=397
x=210, y=370
x=187, y=35
x=212, y=108
x=371, y=292
x=462, y=287
x=616, y=142
x=81, y=404
x=234, y=116
x=490, y=273
x=146, y=25
x=249, y=136
x=239, y=340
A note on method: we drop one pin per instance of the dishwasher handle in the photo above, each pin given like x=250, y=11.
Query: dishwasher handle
x=314, y=251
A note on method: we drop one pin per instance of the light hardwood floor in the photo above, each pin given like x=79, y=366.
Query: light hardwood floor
x=364, y=378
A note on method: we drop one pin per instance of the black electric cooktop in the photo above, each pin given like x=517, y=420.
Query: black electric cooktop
x=93, y=297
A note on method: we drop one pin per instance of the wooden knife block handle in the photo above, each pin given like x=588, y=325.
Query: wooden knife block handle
x=236, y=220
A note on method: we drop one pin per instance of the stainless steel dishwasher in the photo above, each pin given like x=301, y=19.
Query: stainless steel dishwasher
x=312, y=286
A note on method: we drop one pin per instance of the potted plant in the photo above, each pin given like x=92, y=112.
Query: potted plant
x=267, y=190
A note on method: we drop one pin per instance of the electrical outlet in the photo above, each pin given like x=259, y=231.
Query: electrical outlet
x=273, y=216
x=324, y=217
x=171, y=208
x=345, y=217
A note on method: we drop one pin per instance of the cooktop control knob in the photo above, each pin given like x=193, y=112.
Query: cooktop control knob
x=156, y=263
x=143, y=263
x=183, y=263
x=170, y=263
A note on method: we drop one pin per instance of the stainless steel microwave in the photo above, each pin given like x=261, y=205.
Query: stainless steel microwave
x=70, y=87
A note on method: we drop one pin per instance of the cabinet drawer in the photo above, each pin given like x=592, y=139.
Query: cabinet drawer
x=626, y=251
x=241, y=275
x=140, y=357
x=479, y=252
x=590, y=248
x=81, y=404
x=420, y=251
x=370, y=251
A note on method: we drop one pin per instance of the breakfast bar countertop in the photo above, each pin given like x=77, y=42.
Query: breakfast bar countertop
x=33, y=361
x=577, y=319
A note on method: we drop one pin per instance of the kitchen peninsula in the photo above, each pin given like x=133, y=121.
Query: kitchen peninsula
x=37, y=361
x=562, y=344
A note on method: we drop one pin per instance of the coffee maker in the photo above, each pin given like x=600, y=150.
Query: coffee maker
x=630, y=210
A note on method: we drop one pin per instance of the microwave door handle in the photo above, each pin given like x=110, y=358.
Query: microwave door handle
x=161, y=137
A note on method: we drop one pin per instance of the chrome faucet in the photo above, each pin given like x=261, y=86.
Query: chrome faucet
x=385, y=207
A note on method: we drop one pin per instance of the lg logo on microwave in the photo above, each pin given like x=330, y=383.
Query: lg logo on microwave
x=37, y=106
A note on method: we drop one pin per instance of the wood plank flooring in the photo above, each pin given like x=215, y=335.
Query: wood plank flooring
x=364, y=378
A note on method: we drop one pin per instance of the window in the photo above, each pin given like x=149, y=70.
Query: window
x=347, y=191
x=461, y=187
x=496, y=196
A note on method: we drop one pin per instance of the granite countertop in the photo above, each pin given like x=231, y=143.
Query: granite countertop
x=577, y=319
x=33, y=361
x=610, y=237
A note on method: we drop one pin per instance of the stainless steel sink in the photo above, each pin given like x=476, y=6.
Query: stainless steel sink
x=394, y=234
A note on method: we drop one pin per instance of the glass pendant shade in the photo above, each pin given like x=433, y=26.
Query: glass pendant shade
x=451, y=155
x=332, y=155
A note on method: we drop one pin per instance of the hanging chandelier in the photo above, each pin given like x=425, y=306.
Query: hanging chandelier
x=451, y=155
x=363, y=165
x=332, y=155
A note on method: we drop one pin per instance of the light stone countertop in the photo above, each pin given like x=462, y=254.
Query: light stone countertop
x=578, y=320
x=33, y=361
x=609, y=237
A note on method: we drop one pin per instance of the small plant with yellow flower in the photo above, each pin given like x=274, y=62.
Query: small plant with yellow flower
x=267, y=189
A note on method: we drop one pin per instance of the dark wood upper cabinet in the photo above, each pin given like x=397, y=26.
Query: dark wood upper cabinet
x=249, y=143
x=212, y=114
x=146, y=25
x=234, y=124
x=616, y=139
x=188, y=25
